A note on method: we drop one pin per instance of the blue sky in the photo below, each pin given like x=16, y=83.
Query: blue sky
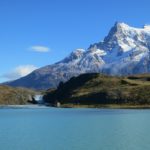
x=57, y=27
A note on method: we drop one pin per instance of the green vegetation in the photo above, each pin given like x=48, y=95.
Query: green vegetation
x=99, y=90
x=15, y=96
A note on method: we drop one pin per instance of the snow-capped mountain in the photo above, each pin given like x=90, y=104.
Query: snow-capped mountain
x=126, y=50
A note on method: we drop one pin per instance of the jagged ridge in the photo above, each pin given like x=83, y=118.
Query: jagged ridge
x=124, y=51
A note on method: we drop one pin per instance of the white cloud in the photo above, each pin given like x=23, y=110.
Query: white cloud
x=39, y=48
x=19, y=72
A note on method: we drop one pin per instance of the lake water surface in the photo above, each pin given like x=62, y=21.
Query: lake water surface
x=74, y=129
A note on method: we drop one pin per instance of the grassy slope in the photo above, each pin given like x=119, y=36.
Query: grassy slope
x=14, y=96
x=96, y=89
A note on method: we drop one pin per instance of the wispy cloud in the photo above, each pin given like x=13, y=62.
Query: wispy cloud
x=39, y=48
x=19, y=72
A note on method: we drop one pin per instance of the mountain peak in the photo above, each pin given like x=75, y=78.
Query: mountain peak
x=78, y=52
x=116, y=33
x=125, y=50
x=118, y=27
x=75, y=55
x=121, y=25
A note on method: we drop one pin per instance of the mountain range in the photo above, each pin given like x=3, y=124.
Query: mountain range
x=124, y=51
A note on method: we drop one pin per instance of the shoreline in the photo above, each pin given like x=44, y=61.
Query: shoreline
x=23, y=106
x=106, y=106
x=98, y=106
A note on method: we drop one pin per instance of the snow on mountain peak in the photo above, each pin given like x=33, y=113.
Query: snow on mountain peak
x=121, y=25
x=123, y=44
x=125, y=50
x=79, y=50
x=77, y=53
x=74, y=56
x=147, y=27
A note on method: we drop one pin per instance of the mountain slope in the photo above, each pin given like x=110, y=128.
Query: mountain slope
x=124, y=51
x=15, y=96
x=94, y=89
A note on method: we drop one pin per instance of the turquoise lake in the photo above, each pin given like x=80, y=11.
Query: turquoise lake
x=74, y=129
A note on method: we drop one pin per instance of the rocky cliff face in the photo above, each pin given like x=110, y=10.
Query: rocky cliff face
x=126, y=50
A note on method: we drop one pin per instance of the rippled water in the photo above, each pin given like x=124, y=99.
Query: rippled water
x=74, y=129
